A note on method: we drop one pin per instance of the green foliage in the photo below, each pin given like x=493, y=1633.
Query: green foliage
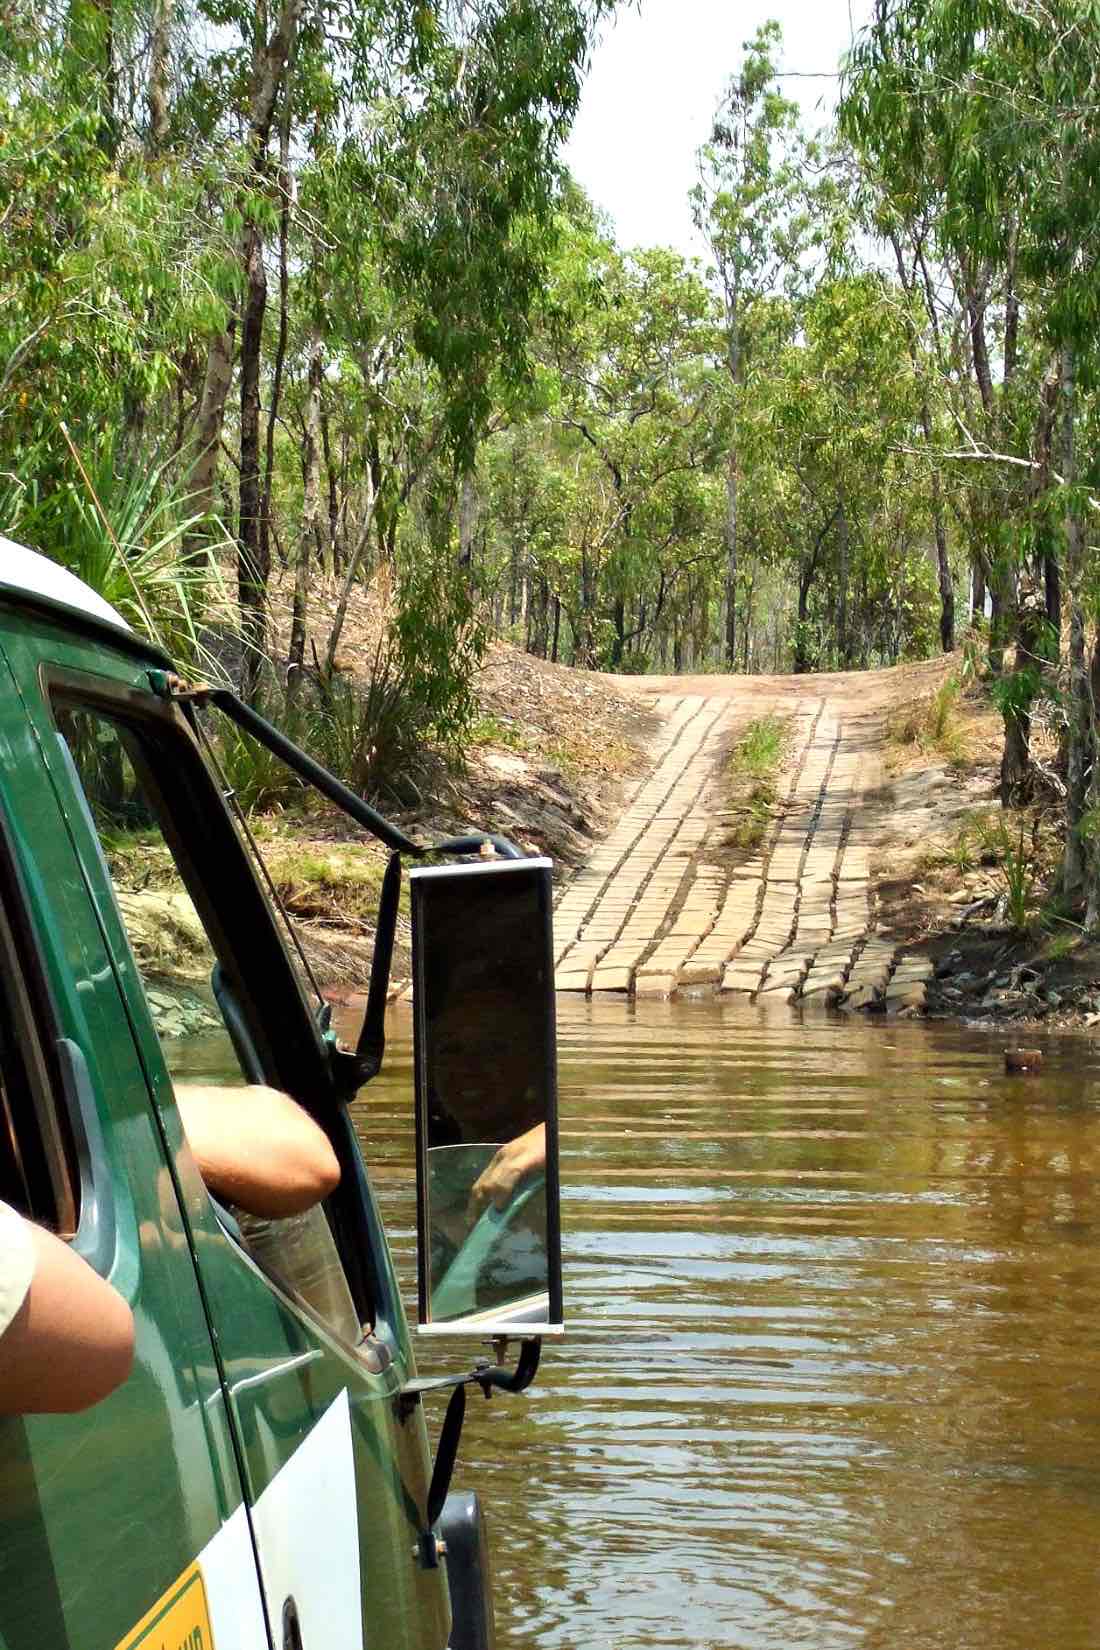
x=490, y=730
x=254, y=774
x=1015, y=693
x=942, y=709
x=380, y=736
x=760, y=748
x=128, y=538
x=1057, y=947
x=437, y=644
x=1010, y=848
x=752, y=780
x=1017, y=866
x=962, y=849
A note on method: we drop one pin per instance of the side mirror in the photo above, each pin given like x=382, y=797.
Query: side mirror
x=489, y=1253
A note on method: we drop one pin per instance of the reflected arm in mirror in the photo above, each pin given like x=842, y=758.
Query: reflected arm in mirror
x=518, y=1158
x=257, y=1148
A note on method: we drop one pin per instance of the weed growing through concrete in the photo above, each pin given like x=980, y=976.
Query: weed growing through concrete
x=753, y=775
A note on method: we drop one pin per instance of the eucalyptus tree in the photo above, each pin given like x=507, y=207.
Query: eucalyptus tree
x=967, y=352
x=750, y=203
x=635, y=389
x=990, y=114
x=836, y=409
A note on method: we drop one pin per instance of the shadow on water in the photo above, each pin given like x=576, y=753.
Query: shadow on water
x=831, y=1373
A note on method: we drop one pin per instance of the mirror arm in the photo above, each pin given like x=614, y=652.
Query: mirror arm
x=490, y=1378
x=168, y=686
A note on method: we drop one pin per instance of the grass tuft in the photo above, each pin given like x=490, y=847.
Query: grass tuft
x=752, y=779
x=931, y=723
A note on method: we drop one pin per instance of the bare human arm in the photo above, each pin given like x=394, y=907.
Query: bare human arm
x=257, y=1148
x=72, y=1340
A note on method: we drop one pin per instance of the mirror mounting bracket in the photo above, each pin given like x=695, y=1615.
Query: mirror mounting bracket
x=490, y=1378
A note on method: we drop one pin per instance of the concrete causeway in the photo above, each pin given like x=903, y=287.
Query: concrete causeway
x=657, y=910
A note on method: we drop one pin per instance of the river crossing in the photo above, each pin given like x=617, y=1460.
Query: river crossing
x=832, y=1283
x=833, y=1350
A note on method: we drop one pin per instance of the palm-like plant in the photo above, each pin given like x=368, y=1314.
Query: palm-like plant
x=128, y=532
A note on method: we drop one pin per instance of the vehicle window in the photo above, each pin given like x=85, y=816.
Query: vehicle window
x=172, y=949
x=38, y=1173
x=153, y=874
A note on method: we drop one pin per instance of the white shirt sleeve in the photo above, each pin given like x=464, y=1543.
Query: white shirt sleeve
x=16, y=1263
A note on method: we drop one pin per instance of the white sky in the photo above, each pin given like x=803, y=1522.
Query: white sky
x=655, y=80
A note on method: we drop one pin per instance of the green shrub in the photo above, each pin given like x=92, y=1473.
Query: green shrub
x=128, y=543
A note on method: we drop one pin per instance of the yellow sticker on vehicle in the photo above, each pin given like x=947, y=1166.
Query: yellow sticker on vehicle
x=179, y=1620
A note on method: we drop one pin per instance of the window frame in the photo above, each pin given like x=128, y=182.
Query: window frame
x=28, y=1006
x=266, y=992
x=62, y=1092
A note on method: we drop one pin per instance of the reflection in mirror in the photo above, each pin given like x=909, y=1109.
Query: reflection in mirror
x=486, y=1097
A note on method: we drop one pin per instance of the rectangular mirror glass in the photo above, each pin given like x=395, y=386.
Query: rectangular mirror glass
x=486, y=1098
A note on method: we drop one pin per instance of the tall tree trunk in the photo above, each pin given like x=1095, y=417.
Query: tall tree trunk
x=584, y=646
x=1000, y=620
x=467, y=522
x=1047, y=568
x=1016, y=769
x=331, y=563
x=514, y=583
x=1081, y=738
x=943, y=569
x=312, y=529
x=1010, y=351
x=975, y=309
x=557, y=630
x=731, y=556
x=538, y=612
x=943, y=566
x=252, y=572
x=1092, y=879
x=734, y=366
x=351, y=571
x=208, y=434
x=842, y=588
x=618, y=620
x=280, y=347
x=801, y=655
x=157, y=94
x=1052, y=590
x=253, y=569
x=977, y=592
x=314, y=515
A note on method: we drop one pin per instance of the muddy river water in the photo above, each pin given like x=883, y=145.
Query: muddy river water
x=832, y=1375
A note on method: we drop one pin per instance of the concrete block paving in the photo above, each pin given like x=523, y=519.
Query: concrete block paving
x=652, y=914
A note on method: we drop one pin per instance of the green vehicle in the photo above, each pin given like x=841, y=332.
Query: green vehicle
x=263, y=1480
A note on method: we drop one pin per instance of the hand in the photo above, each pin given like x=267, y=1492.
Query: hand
x=518, y=1158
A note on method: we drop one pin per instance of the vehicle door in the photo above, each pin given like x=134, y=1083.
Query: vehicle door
x=125, y=1524
x=306, y=1316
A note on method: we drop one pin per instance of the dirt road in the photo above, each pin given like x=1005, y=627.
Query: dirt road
x=659, y=909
